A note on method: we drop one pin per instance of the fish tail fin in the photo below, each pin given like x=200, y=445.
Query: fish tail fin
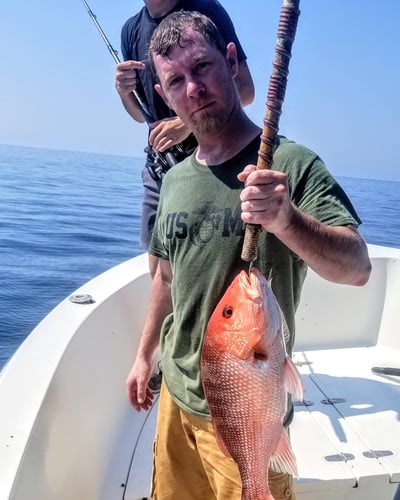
x=292, y=379
x=283, y=459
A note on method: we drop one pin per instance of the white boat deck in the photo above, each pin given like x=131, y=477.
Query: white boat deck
x=350, y=434
x=68, y=432
x=346, y=436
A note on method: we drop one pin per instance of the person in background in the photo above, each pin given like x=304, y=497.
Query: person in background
x=166, y=130
x=307, y=221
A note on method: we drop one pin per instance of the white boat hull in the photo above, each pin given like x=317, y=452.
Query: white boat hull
x=68, y=432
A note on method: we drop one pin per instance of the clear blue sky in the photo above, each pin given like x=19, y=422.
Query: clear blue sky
x=342, y=100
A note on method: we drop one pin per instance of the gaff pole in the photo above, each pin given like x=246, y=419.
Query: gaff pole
x=276, y=93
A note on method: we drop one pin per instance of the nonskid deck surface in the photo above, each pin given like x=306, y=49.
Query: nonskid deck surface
x=347, y=429
x=345, y=433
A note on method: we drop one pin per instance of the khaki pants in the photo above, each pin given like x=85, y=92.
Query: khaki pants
x=188, y=464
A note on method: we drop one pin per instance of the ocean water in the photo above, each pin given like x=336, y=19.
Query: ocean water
x=67, y=216
x=64, y=218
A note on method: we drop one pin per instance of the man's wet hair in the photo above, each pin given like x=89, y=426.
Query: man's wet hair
x=170, y=33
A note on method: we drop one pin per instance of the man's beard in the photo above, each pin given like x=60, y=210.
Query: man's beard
x=209, y=123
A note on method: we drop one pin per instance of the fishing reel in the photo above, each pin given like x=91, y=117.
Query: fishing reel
x=158, y=164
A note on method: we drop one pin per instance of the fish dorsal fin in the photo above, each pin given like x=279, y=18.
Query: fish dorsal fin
x=283, y=459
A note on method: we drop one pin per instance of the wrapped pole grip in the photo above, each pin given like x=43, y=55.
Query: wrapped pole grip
x=276, y=93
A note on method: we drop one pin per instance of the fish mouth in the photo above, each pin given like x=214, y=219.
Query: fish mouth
x=245, y=279
x=252, y=283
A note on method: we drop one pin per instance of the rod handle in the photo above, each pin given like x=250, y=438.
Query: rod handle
x=276, y=93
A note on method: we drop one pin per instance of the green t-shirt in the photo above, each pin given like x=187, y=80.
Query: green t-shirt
x=200, y=231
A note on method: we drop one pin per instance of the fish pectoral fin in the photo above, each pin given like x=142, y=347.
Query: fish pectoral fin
x=283, y=459
x=293, y=382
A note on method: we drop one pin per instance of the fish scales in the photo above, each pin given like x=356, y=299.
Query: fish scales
x=246, y=374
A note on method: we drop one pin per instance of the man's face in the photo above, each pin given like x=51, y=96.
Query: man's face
x=196, y=81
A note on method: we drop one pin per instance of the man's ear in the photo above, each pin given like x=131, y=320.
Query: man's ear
x=161, y=93
x=231, y=57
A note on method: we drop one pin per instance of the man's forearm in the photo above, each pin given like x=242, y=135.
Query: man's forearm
x=160, y=305
x=132, y=107
x=338, y=254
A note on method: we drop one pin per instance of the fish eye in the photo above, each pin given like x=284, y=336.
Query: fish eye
x=227, y=312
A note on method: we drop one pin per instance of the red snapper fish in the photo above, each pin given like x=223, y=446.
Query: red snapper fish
x=246, y=374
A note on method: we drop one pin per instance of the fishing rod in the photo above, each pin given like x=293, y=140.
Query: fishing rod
x=276, y=93
x=114, y=54
x=165, y=160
